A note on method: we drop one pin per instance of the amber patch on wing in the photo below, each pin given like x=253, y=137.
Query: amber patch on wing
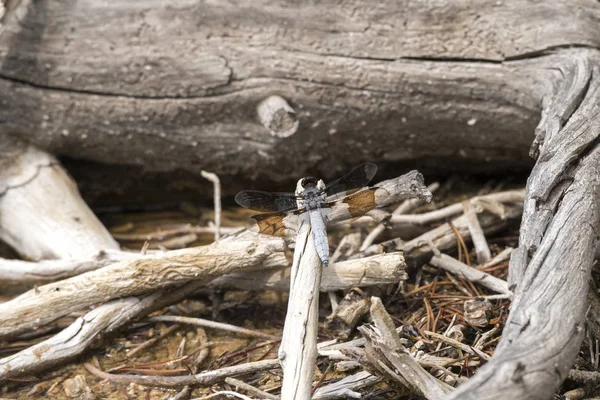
x=268, y=224
x=361, y=202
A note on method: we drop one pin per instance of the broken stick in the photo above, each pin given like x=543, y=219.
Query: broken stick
x=298, y=350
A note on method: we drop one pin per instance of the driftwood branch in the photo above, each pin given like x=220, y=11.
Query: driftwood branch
x=205, y=378
x=53, y=270
x=481, y=247
x=298, y=349
x=375, y=270
x=83, y=334
x=347, y=387
x=456, y=267
x=251, y=389
x=551, y=267
x=129, y=278
x=42, y=214
x=391, y=359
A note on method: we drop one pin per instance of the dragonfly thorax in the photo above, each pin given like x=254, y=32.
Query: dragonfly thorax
x=311, y=193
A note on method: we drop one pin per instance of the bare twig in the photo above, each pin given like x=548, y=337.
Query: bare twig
x=204, y=378
x=477, y=236
x=485, y=337
x=457, y=344
x=444, y=236
x=346, y=387
x=260, y=394
x=148, y=343
x=213, y=325
x=217, y=200
x=221, y=393
x=204, y=351
x=454, y=266
x=501, y=257
x=513, y=196
x=347, y=246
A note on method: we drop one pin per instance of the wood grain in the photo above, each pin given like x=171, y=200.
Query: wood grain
x=172, y=86
x=550, y=270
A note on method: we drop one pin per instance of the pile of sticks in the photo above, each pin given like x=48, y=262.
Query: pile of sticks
x=124, y=287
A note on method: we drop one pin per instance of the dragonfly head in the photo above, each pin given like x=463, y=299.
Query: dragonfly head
x=309, y=182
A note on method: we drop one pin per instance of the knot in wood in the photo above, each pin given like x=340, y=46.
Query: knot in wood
x=277, y=116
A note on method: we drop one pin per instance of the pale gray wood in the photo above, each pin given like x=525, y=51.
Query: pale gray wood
x=380, y=269
x=53, y=270
x=297, y=352
x=464, y=271
x=550, y=269
x=134, y=277
x=165, y=86
x=393, y=361
x=42, y=214
x=84, y=332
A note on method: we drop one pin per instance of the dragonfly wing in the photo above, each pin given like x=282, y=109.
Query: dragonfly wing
x=274, y=224
x=355, y=205
x=354, y=180
x=266, y=201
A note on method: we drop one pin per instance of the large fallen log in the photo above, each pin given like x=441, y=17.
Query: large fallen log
x=427, y=85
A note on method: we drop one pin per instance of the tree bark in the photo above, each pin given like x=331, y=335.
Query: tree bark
x=178, y=86
x=550, y=270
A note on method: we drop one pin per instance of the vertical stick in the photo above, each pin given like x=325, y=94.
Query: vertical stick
x=481, y=247
x=214, y=178
x=298, y=350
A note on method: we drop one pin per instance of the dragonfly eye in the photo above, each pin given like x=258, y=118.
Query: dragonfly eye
x=309, y=182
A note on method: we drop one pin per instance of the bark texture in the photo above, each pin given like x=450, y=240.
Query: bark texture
x=550, y=270
x=177, y=86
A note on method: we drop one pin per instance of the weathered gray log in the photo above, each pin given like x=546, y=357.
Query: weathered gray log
x=375, y=270
x=550, y=269
x=177, y=85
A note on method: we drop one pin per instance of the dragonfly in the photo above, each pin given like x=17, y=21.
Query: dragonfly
x=313, y=202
